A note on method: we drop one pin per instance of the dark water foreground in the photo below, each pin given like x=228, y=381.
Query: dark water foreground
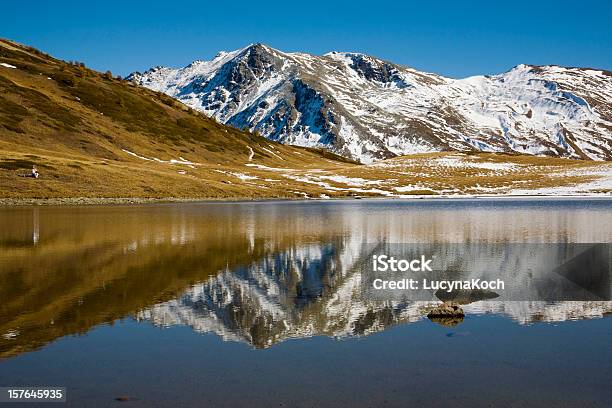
x=260, y=304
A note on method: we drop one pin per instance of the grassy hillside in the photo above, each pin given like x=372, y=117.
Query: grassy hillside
x=84, y=131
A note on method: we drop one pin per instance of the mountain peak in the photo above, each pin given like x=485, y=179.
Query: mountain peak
x=258, y=48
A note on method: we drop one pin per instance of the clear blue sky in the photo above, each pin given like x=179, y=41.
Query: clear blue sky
x=447, y=37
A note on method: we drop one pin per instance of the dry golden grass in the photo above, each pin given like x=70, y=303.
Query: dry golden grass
x=75, y=124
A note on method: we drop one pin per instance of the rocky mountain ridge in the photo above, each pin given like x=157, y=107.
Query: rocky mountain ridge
x=369, y=109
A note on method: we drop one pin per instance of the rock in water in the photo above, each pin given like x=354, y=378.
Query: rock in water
x=447, y=321
x=448, y=314
x=446, y=310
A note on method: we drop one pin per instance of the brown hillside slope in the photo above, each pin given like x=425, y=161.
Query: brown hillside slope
x=93, y=135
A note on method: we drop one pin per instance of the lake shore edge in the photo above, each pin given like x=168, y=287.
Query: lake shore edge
x=61, y=201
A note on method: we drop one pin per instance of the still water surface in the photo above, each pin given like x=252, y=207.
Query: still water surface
x=259, y=304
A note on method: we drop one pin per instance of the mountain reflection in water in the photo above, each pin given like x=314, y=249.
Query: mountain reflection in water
x=252, y=272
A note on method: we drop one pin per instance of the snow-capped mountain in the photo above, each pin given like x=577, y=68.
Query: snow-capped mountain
x=320, y=289
x=368, y=109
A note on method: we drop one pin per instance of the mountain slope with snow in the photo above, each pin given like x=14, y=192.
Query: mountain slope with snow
x=368, y=109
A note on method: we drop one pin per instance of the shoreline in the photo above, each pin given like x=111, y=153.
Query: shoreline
x=71, y=201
